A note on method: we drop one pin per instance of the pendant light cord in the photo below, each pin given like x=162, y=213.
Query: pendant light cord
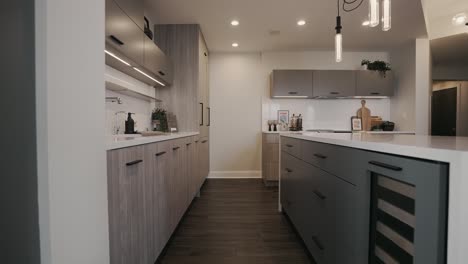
x=348, y=3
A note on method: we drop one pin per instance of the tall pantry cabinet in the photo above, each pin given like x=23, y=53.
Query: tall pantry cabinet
x=188, y=97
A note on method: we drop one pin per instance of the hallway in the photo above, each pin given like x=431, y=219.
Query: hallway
x=235, y=222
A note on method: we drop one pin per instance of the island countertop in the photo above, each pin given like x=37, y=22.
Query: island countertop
x=451, y=150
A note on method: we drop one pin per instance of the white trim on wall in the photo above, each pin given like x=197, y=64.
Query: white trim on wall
x=235, y=174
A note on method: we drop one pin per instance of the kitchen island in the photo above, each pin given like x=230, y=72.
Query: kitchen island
x=341, y=183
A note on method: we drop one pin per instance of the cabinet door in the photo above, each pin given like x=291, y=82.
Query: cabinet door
x=134, y=9
x=127, y=219
x=123, y=34
x=292, y=83
x=334, y=83
x=203, y=89
x=371, y=83
x=165, y=182
x=195, y=173
x=204, y=159
x=157, y=62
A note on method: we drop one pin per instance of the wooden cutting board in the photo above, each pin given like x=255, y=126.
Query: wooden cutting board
x=365, y=114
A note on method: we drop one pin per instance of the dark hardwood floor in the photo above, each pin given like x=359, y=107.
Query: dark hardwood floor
x=235, y=221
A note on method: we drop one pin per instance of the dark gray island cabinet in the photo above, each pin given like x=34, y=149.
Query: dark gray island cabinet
x=355, y=206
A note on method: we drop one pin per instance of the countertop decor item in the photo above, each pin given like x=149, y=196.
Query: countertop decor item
x=365, y=114
x=356, y=124
x=159, y=117
x=283, y=116
x=378, y=65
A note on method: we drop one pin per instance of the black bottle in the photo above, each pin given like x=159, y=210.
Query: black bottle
x=130, y=125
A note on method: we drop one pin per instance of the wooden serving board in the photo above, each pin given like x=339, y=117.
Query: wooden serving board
x=365, y=114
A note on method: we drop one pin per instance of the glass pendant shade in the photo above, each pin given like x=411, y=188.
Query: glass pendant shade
x=339, y=47
x=386, y=15
x=374, y=15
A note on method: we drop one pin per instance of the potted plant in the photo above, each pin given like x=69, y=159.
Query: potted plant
x=378, y=65
x=159, y=117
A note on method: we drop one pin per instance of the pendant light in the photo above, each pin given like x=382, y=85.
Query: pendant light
x=338, y=40
x=386, y=15
x=374, y=13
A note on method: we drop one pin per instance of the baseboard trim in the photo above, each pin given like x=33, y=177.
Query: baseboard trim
x=235, y=175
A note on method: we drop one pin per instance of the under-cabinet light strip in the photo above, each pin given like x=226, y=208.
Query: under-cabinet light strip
x=116, y=57
x=138, y=70
x=296, y=96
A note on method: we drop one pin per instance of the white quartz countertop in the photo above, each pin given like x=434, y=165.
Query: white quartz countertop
x=451, y=150
x=125, y=141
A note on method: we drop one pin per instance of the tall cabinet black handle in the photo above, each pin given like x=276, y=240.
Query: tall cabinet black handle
x=202, y=109
x=134, y=162
x=209, y=116
x=116, y=40
x=385, y=166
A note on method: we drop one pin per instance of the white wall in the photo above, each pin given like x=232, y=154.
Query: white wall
x=71, y=144
x=235, y=98
x=241, y=104
x=423, y=86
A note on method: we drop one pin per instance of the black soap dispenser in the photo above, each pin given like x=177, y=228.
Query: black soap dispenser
x=130, y=125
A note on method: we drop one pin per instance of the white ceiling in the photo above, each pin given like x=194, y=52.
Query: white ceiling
x=258, y=17
x=439, y=14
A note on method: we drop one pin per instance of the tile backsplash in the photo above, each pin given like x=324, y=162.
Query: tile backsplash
x=141, y=108
x=323, y=114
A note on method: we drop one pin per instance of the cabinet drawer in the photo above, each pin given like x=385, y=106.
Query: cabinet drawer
x=339, y=161
x=291, y=146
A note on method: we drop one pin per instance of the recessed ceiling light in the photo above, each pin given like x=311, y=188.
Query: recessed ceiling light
x=235, y=45
x=301, y=22
x=459, y=19
x=366, y=23
x=235, y=23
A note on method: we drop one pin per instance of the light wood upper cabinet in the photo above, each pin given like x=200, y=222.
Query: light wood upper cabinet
x=127, y=206
x=157, y=62
x=123, y=34
x=371, y=83
x=334, y=83
x=134, y=9
x=291, y=83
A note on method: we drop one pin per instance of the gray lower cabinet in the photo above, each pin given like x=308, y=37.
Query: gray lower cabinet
x=371, y=83
x=270, y=159
x=355, y=206
x=336, y=83
x=149, y=189
x=127, y=206
x=291, y=83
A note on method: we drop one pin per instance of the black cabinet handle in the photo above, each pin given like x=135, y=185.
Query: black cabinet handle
x=320, y=156
x=209, y=116
x=188, y=144
x=196, y=141
x=318, y=243
x=375, y=93
x=202, y=109
x=160, y=153
x=175, y=148
x=319, y=195
x=134, y=162
x=116, y=40
x=204, y=141
x=289, y=146
x=161, y=73
x=385, y=166
x=288, y=170
x=292, y=93
x=334, y=93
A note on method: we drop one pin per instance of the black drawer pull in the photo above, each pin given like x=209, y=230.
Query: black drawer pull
x=385, y=166
x=375, y=93
x=289, y=146
x=320, y=156
x=175, y=148
x=318, y=243
x=204, y=141
x=134, y=162
x=160, y=153
x=196, y=141
x=188, y=144
x=161, y=73
x=334, y=93
x=319, y=195
x=288, y=170
x=292, y=93
x=116, y=40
